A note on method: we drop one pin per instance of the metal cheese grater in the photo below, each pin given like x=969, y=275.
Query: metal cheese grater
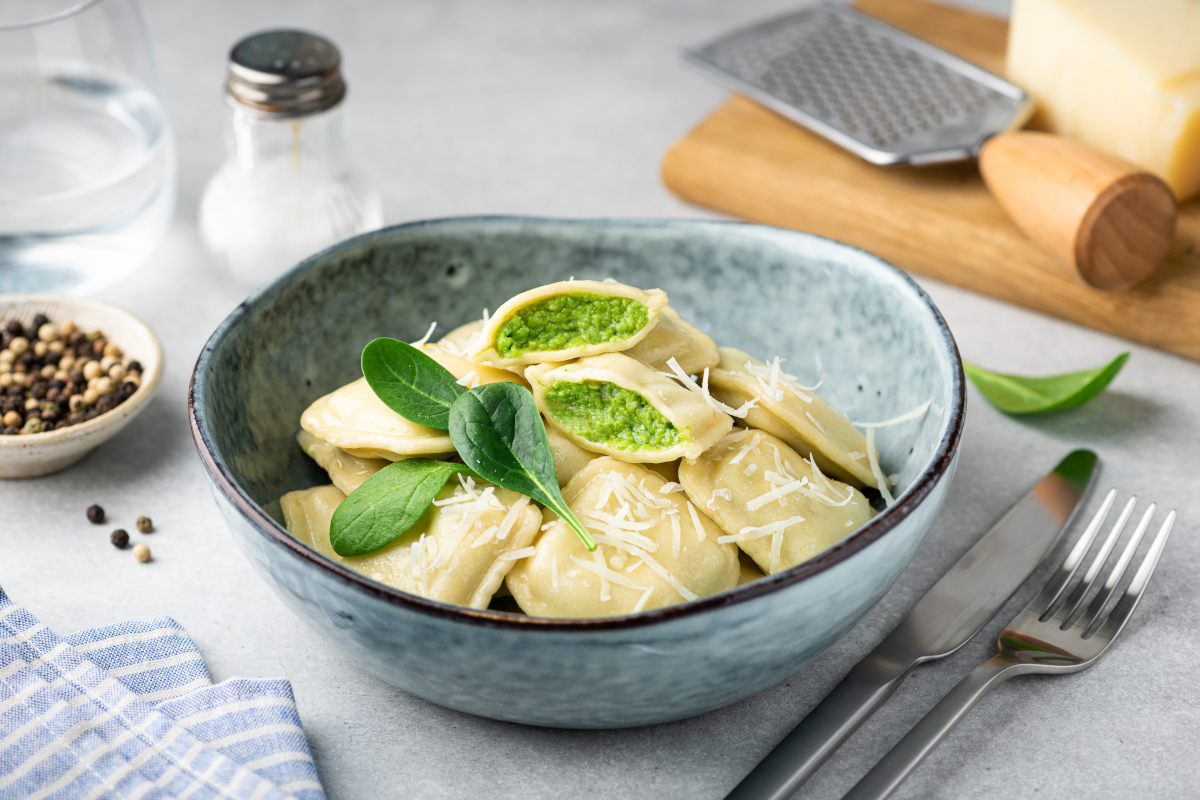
x=880, y=93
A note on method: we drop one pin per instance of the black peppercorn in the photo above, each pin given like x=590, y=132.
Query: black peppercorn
x=52, y=358
x=76, y=377
x=11, y=430
x=57, y=384
x=119, y=538
x=134, y=366
x=39, y=320
x=13, y=327
x=95, y=515
x=91, y=414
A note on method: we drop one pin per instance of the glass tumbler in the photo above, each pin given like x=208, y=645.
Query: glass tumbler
x=87, y=166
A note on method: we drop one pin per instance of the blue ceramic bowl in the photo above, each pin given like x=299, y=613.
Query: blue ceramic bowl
x=838, y=314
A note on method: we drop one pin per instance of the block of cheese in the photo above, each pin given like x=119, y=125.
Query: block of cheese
x=1120, y=75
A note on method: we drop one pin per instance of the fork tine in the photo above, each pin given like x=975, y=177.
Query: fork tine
x=1066, y=571
x=1063, y=615
x=1125, y=606
x=1110, y=584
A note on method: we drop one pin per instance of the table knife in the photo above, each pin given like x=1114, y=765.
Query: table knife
x=942, y=621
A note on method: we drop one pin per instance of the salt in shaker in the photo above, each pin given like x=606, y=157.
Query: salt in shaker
x=287, y=189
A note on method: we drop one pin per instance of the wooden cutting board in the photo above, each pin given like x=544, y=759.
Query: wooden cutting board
x=748, y=161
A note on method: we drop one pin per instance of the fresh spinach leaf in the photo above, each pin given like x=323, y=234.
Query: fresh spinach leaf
x=499, y=433
x=387, y=504
x=1016, y=394
x=410, y=383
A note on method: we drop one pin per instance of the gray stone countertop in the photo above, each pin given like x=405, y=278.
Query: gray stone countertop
x=565, y=109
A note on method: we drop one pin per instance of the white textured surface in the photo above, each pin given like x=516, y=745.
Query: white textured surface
x=558, y=108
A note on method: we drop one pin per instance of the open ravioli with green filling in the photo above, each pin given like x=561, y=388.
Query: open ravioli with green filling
x=458, y=552
x=653, y=549
x=775, y=505
x=615, y=405
x=567, y=320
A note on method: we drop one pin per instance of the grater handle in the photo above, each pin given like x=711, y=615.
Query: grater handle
x=1099, y=216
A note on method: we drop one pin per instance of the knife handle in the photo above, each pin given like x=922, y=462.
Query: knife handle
x=908, y=754
x=793, y=761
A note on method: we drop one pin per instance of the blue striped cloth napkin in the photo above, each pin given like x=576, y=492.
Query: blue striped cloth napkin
x=129, y=711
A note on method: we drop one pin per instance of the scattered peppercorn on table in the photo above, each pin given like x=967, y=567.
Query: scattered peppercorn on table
x=566, y=110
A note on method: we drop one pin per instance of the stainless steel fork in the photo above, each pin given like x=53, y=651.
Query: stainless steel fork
x=1049, y=635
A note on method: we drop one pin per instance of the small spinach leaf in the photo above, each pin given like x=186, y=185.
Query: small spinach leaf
x=410, y=383
x=499, y=433
x=387, y=504
x=1016, y=394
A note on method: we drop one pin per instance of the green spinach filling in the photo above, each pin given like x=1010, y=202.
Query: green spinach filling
x=610, y=415
x=567, y=321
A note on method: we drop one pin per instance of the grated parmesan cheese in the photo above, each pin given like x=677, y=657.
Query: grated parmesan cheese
x=813, y=420
x=713, y=403
x=607, y=575
x=774, y=494
x=675, y=535
x=750, y=533
x=425, y=339
x=470, y=380
x=914, y=414
x=746, y=449
x=695, y=520
x=748, y=471
x=517, y=555
x=873, y=458
x=641, y=603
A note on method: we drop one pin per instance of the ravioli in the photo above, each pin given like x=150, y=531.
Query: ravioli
x=566, y=320
x=653, y=549
x=346, y=471
x=674, y=338
x=569, y=458
x=458, y=552
x=773, y=503
x=796, y=415
x=616, y=405
x=355, y=420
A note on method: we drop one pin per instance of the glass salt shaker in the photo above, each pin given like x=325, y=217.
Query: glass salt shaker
x=287, y=188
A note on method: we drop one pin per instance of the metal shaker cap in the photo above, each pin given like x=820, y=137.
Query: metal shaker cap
x=284, y=73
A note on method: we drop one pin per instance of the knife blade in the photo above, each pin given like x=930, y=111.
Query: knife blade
x=942, y=621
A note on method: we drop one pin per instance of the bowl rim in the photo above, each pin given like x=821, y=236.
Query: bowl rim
x=151, y=375
x=868, y=534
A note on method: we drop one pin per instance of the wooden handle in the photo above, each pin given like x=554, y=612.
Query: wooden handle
x=1098, y=215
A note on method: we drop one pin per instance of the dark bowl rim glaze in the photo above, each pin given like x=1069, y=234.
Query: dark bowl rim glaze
x=880, y=525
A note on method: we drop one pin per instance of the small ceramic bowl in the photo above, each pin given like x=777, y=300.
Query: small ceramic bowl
x=31, y=455
x=836, y=313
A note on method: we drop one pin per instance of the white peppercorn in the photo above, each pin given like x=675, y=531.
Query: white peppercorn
x=12, y=419
x=76, y=403
x=18, y=345
x=69, y=327
x=90, y=397
x=48, y=371
x=104, y=385
x=107, y=362
x=92, y=369
x=6, y=380
x=111, y=349
x=48, y=332
x=7, y=356
x=141, y=552
x=56, y=346
x=117, y=373
x=40, y=348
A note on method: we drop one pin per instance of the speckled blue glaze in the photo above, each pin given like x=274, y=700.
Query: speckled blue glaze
x=836, y=313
